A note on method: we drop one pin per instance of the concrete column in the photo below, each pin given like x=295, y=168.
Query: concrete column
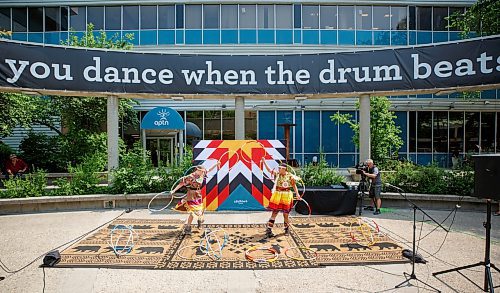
x=364, y=128
x=112, y=127
x=239, y=120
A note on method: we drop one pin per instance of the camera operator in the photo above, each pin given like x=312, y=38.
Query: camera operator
x=376, y=184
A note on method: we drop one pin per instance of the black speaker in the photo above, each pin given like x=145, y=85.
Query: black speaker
x=487, y=176
x=51, y=259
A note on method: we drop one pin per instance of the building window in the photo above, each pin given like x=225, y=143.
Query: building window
x=247, y=16
x=487, y=132
x=113, y=18
x=195, y=117
x=424, y=18
x=35, y=19
x=284, y=17
x=364, y=17
x=212, y=123
x=498, y=133
x=346, y=17
x=471, y=132
x=193, y=16
x=310, y=16
x=131, y=17
x=328, y=17
x=228, y=124
x=456, y=131
x=250, y=124
x=166, y=17
x=412, y=131
x=399, y=18
x=454, y=10
x=439, y=15
x=265, y=14
x=95, y=15
x=211, y=16
x=381, y=18
x=424, y=132
x=77, y=16
x=148, y=17
x=56, y=19
x=440, y=132
x=229, y=16
x=5, y=19
x=412, y=19
x=179, y=16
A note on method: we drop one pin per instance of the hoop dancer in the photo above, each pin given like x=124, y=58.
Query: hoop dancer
x=282, y=196
x=193, y=201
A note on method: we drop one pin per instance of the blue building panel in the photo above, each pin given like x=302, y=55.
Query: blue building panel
x=229, y=36
x=266, y=125
x=328, y=37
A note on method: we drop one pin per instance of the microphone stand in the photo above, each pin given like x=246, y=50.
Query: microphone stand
x=412, y=275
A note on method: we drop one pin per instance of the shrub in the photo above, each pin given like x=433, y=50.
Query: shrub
x=43, y=151
x=84, y=177
x=320, y=175
x=137, y=174
x=5, y=151
x=31, y=185
x=430, y=179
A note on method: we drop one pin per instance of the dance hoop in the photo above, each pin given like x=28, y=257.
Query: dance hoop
x=261, y=260
x=315, y=254
x=122, y=249
x=367, y=233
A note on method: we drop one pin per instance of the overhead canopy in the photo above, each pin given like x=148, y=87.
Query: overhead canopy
x=162, y=118
x=192, y=130
x=444, y=67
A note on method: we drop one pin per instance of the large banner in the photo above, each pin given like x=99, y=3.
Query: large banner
x=241, y=183
x=474, y=62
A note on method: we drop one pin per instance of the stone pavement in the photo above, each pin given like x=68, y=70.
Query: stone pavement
x=24, y=237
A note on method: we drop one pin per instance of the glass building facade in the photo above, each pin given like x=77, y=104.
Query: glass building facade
x=433, y=125
x=215, y=24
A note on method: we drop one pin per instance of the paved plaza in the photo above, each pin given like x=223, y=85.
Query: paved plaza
x=24, y=237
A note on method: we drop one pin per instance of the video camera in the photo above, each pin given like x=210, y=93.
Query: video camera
x=360, y=168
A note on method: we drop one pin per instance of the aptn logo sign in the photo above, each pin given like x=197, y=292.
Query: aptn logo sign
x=163, y=118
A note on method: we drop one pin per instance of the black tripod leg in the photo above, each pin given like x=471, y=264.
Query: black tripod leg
x=405, y=281
x=494, y=267
x=458, y=269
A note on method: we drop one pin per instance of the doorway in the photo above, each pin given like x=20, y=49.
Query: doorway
x=162, y=150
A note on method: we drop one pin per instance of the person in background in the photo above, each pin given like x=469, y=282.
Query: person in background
x=497, y=213
x=15, y=167
x=375, y=186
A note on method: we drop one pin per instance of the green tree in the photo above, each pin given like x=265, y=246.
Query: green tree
x=482, y=18
x=385, y=140
x=90, y=112
x=23, y=110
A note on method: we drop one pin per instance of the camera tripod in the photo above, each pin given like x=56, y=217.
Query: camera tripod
x=362, y=189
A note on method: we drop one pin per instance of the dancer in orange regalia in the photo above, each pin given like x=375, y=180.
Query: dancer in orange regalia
x=282, y=195
x=193, y=201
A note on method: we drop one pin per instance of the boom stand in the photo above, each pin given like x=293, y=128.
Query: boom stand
x=488, y=281
x=412, y=275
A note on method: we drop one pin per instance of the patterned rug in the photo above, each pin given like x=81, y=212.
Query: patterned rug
x=184, y=254
x=159, y=244
x=152, y=239
x=347, y=241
